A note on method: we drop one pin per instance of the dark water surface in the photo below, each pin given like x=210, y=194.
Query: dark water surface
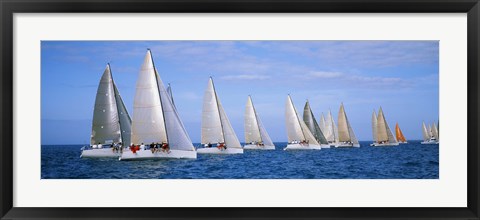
x=406, y=161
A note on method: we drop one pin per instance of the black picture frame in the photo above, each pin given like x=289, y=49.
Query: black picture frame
x=9, y=7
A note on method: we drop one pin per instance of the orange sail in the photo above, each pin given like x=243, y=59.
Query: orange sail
x=400, y=137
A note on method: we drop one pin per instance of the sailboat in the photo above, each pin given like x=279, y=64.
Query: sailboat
x=256, y=137
x=111, y=123
x=323, y=124
x=374, y=127
x=156, y=121
x=218, y=136
x=313, y=126
x=435, y=132
x=346, y=136
x=401, y=139
x=331, y=131
x=428, y=137
x=384, y=135
x=299, y=136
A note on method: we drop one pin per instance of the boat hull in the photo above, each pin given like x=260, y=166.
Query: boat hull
x=302, y=147
x=215, y=150
x=325, y=146
x=384, y=145
x=429, y=142
x=159, y=155
x=403, y=142
x=102, y=152
x=347, y=145
x=256, y=147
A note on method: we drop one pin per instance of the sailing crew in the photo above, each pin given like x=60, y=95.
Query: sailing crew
x=222, y=146
x=165, y=147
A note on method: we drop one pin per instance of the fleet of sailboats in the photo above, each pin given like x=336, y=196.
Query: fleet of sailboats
x=430, y=135
x=299, y=136
x=157, y=132
x=111, y=123
x=156, y=124
x=382, y=134
x=218, y=136
x=256, y=137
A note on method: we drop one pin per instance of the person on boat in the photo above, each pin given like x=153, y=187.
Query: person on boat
x=222, y=146
x=99, y=145
x=152, y=147
x=165, y=147
x=209, y=145
x=142, y=146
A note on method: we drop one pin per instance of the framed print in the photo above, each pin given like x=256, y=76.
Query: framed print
x=269, y=109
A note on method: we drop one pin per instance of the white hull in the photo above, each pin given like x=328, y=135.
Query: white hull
x=147, y=154
x=384, y=145
x=325, y=145
x=347, y=145
x=403, y=142
x=302, y=147
x=256, y=147
x=102, y=152
x=215, y=150
x=429, y=142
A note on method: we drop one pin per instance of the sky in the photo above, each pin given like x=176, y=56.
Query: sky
x=400, y=76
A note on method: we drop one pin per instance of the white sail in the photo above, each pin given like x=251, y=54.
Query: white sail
x=331, y=133
x=294, y=130
x=374, y=126
x=267, y=141
x=382, y=134
x=105, y=124
x=148, y=124
x=252, y=129
x=425, y=134
x=212, y=131
x=231, y=139
x=312, y=124
x=124, y=119
x=434, y=131
x=177, y=135
x=323, y=125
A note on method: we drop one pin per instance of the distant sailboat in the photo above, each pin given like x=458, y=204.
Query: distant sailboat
x=428, y=137
x=313, y=126
x=374, y=127
x=401, y=139
x=256, y=137
x=111, y=123
x=435, y=132
x=155, y=120
x=299, y=136
x=331, y=131
x=216, y=128
x=384, y=135
x=346, y=136
x=323, y=124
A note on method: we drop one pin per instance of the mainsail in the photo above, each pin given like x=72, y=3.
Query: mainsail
x=345, y=131
x=216, y=127
x=374, y=126
x=323, y=124
x=399, y=134
x=435, y=131
x=331, y=133
x=106, y=122
x=155, y=119
x=425, y=133
x=254, y=130
x=297, y=130
x=384, y=134
x=312, y=124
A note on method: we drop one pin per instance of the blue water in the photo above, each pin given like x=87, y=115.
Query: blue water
x=406, y=161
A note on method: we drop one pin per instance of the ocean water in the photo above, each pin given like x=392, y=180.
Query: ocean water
x=406, y=161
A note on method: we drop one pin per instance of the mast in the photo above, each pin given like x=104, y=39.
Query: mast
x=161, y=103
x=218, y=108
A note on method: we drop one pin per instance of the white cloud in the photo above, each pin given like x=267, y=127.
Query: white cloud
x=327, y=75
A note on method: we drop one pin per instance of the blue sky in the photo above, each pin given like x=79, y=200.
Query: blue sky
x=400, y=76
